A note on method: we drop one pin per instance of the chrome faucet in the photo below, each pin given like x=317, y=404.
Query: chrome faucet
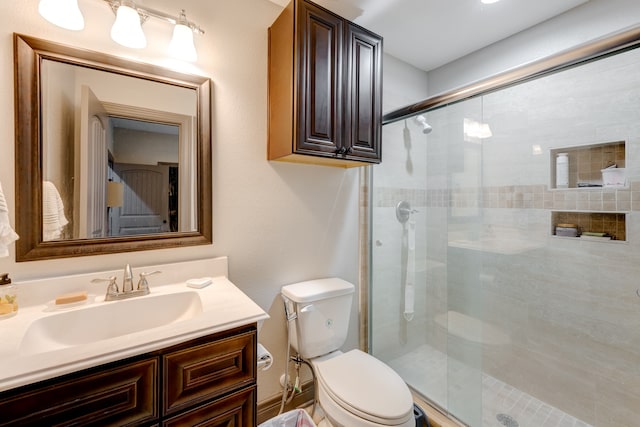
x=127, y=279
x=114, y=294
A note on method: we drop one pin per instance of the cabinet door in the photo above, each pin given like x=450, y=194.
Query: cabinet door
x=363, y=111
x=119, y=396
x=319, y=98
x=235, y=410
x=202, y=372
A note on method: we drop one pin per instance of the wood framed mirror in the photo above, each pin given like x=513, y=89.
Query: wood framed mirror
x=111, y=155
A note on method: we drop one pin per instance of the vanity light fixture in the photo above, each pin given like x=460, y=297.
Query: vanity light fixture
x=128, y=31
x=63, y=13
x=181, y=45
x=127, y=28
x=489, y=1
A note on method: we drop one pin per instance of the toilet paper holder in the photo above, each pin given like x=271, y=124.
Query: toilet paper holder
x=265, y=359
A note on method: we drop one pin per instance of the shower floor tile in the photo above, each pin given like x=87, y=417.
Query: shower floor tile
x=426, y=370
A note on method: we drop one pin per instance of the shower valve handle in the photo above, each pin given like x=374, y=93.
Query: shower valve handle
x=404, y=211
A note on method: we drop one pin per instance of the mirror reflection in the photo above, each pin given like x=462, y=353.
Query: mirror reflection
x=118, y=154
x=112, y=155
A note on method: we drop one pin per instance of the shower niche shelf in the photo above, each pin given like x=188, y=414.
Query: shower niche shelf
x=603, y=227
x=585, y=165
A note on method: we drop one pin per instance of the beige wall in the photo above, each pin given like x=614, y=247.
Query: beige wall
x=278, y=223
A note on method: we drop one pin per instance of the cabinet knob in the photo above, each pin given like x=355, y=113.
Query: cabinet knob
x=341, y=151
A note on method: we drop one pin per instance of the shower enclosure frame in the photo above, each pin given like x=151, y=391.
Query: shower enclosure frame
x=618, y=42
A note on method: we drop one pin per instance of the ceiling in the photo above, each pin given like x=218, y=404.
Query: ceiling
x=144, y=126
x=431, y=33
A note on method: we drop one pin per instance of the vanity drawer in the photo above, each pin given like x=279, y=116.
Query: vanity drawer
x=119, y=396
x=208, y=370
x=237, y=410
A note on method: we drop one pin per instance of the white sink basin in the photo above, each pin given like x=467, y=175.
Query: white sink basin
x=102, y=321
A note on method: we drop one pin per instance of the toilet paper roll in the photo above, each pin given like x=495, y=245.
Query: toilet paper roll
x=265, y=359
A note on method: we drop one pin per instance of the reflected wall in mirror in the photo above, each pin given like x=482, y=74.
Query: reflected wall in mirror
x=111, y=155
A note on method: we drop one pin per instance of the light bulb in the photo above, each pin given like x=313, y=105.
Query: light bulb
x=63, y=13
x=127, y=29
x=181, y=45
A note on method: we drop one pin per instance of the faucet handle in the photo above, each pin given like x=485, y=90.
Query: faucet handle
x=112, y=288
x=143, y=285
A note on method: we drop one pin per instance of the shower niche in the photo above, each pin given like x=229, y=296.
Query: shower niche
x=598, y=211
x=588, y=166
x=590, y=226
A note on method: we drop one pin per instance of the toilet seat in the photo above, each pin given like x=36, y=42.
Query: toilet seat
x=365, y=387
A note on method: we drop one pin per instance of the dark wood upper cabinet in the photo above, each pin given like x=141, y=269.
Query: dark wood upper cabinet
x=320, y=72
x=325, y=89
x=364, y=93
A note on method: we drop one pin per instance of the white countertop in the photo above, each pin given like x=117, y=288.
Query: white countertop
x=224, y=307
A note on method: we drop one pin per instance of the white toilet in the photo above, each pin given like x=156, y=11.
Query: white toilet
x=354, y=388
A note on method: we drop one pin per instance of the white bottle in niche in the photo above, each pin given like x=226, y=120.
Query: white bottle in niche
x=562, y=170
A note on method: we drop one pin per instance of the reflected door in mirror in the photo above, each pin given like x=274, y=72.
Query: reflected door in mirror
x=145, y=207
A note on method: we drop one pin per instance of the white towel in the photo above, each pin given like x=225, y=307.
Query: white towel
x=53, y=219
x=7, y=235
x=409, y=286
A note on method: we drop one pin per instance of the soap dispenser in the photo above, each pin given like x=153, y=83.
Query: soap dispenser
x=8, y=296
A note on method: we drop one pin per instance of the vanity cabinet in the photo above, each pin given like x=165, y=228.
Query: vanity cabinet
x=207, y=381
x=325, y=89
x=114, y=395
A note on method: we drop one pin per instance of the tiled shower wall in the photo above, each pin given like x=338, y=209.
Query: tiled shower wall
x=605, y=208
x=518, y=197
x=568, y=307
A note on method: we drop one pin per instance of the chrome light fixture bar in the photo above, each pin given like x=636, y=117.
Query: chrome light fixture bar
x=146, y=12
x=127, y=28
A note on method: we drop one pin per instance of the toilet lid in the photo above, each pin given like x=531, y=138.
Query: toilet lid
x=365, y=386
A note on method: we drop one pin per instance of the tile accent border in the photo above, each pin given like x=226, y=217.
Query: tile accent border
x=517, y=197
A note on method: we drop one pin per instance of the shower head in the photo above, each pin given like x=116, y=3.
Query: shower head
x=426, y=127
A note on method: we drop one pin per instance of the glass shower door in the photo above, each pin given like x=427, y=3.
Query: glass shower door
x=418, y=297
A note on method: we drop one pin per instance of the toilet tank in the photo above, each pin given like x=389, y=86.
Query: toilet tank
x=322, y=308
